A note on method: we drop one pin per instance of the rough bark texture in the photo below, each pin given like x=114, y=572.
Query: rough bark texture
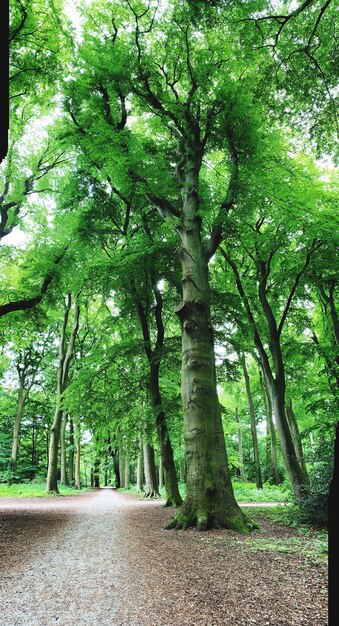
x=210, y=500
x=182, y=470
x=151, y=480
x=258, y=477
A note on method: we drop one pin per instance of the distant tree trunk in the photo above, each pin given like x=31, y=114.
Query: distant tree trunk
x=121, y=469
x=240, y=448
x=71, y=453
x=293, y=424
x=65, y=357
x=276, y=380
x=151, y=486
x=271, y=446
x=258, y=477
x=161, y=473
x=63, y=473
x=23, y=393
x=173, y=497
x=140, y=468
x=96, y=473
x=34, y=459
x=127, y=470
x=77, y=438
x=92, y=476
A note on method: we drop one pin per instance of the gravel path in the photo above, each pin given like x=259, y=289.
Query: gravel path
x=101, y=559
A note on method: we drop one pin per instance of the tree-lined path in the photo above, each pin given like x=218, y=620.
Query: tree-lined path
x=101, y=558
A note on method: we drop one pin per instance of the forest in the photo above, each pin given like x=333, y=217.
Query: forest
x=169, y=254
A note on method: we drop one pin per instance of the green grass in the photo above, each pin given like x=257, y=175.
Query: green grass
x=30, y=490
x=248, y=492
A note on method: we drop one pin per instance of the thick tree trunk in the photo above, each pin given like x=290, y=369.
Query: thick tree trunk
x=293, y=424
x=210, y=499
x=258, y=477
x=23, y=393
x=63, y=473
x=151, y=481
x=240, y=448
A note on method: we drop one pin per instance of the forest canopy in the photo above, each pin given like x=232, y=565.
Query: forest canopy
x=169, y=251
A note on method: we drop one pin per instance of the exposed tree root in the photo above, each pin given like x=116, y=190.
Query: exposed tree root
x=183, y=520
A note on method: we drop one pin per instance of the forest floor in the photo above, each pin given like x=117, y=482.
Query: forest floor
x=101, y=559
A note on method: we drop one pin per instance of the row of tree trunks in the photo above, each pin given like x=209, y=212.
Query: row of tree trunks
x=65, y=357
x=258, y=477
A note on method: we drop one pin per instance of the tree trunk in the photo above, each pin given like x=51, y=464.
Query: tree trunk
x=151, y=481
x=258, y=477
x=293, y=424
x=71, y=453
x=240, y=448
x=96, y=473
x=298, y=478
x=140, y=468
x=127, y=469
x=63, y=370
x=173, y=497
x=121, y=469
x=210, y=499
x=182, y=470
x=271, y=448
x=161, y=473
x=77, y=437
x=63, y=474
x=23, y=393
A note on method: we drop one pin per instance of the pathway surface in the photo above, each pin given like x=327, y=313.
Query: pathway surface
x=101, y=559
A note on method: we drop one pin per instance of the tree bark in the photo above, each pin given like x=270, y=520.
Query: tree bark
x=258, y=477
x=151, y=481
x=161, y=473
x=210, y=499
x=240, y=448
x=121, y=469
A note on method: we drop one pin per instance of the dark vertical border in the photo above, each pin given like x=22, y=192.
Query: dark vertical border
x=4, y=77
x=333, y=538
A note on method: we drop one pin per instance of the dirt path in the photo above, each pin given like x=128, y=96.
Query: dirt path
x=101, y=559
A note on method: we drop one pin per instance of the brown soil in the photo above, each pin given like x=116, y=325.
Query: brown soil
x=101, y=559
